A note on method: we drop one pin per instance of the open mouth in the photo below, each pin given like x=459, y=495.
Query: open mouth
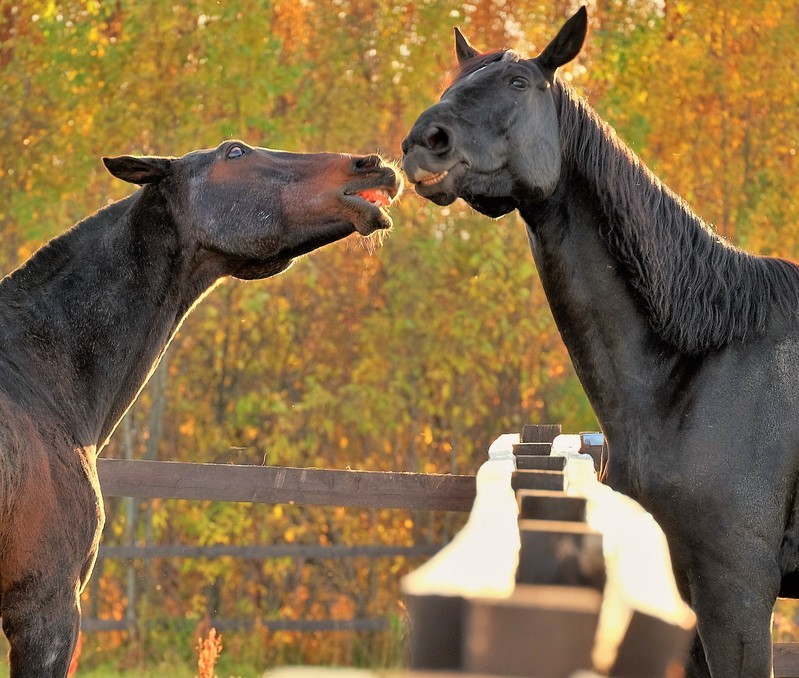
x=372, y=203
x=379, y=197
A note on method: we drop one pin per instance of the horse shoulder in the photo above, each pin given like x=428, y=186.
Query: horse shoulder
x=42, y=473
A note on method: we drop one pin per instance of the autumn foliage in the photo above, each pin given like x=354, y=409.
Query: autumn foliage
x=208, y=650
x=410, y=356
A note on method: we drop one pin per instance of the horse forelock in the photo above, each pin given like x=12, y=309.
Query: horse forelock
x=477, y=63
x=700, y=291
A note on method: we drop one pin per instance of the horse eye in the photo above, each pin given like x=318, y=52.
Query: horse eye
x=518, y=83
x=234, y=152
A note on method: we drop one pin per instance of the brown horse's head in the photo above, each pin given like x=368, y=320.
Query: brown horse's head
x=252, y=210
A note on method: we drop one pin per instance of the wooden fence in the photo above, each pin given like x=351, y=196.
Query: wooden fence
x=318, y=487
x=261, y=552
x=275, y=485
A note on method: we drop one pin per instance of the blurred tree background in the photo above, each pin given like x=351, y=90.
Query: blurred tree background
x=410, y=356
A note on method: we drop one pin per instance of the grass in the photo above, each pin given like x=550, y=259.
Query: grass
x=176, y=655
x=171, y=670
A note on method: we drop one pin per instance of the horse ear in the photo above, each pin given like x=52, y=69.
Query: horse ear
x=566, y=44
x=143, y=170
x=463, y=49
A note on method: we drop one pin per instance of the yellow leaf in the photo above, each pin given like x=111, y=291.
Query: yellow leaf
x=187, y=428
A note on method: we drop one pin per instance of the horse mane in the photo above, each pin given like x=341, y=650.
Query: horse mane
x=700, y=291
x=55, y=253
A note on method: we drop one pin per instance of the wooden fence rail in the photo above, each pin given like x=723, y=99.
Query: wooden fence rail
x=268, y=551
x=286, y=485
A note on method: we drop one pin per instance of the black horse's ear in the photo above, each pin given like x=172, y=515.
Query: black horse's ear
x=463, y=49
x=143, y=170
x=566, y=44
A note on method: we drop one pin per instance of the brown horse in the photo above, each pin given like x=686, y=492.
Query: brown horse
x=86, y=319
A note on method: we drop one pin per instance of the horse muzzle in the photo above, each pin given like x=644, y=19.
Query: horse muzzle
x=433, y=179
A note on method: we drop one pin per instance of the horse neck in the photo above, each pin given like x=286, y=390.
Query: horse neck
x=607, y=335
x=87, y=318
x=596, y=284
x=641, y=289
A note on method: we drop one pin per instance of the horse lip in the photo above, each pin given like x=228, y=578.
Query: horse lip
x=393, y=190
x=372, y=217
x=389, y=180
x=440, y=186
x=432, y=178
x=426, y=177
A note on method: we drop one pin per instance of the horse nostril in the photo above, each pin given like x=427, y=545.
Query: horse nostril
x=436, y=139
x=406, y=145
x=366, y=163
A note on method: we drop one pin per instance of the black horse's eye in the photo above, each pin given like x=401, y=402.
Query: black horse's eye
x=518, y=83
x=234, y=152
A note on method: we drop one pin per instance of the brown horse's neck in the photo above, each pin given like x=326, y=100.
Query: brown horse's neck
x=86, y=319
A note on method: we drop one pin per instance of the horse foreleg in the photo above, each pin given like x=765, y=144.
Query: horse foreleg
x=41, y=624
x=734, y=627
x=735, y=646
x=696, y=666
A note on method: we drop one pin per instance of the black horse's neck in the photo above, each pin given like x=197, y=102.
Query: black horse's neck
x=93, y=311
x=616, y=354
x=700, y=293
x=639, y=286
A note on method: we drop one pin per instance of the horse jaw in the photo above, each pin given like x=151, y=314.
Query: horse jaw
x=258, y=270
x=490, y=206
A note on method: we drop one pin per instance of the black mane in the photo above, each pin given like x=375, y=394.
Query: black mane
x=701, y=292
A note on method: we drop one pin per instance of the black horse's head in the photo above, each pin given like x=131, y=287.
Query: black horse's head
x=250, y=211
x=493, y=137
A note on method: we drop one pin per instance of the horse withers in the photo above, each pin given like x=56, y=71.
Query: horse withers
x=85, y=320
x=687, y=347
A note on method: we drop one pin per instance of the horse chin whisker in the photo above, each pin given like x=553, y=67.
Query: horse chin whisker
x=372, y=242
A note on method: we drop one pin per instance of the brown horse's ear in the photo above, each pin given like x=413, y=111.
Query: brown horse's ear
x=566, y=44
x=144, y=170
x=463, y=49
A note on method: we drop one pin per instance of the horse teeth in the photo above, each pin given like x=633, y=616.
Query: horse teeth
x=434, y=179
x=379, y=197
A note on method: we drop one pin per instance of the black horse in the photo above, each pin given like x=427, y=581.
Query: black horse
x=86, y=319
x=687, y=347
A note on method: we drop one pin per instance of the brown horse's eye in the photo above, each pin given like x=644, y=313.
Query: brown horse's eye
x=234, y=152
x=518, y=83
